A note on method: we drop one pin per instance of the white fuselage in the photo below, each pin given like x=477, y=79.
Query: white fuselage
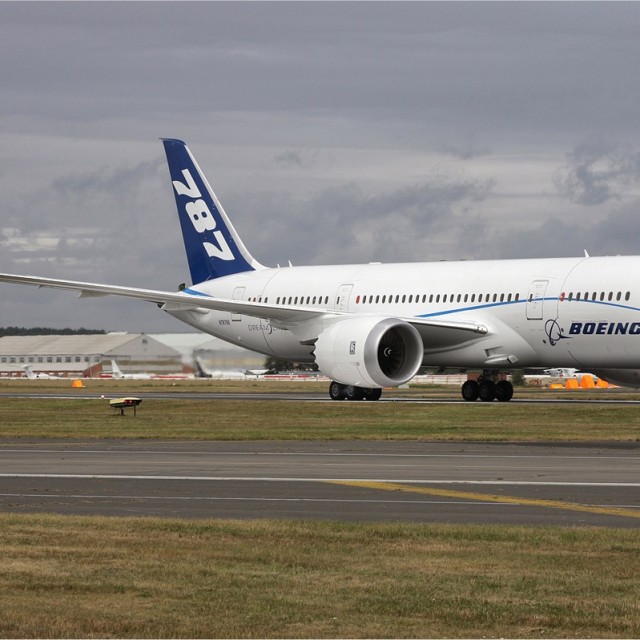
x=561, y=312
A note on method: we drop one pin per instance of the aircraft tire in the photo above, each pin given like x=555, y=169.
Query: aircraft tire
x=337, y=391
x=487, y=391
x=504, y=391
x=470, y=391
x=372, y=394
x=354, y=393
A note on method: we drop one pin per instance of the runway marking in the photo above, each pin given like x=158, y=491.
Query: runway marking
x=463, y=455
x=77, y=496
x=486, y=497
x=355, y=481
x=219, y=498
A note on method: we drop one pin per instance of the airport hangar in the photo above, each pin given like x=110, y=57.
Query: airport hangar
x=90, y=355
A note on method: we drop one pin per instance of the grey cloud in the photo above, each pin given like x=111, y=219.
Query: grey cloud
x=456, y=66
x=112, y=223
x=596, y=172
x=344, y=224
x=269, y=94
x=605, y=231
x=298, y=158
x=467, y=149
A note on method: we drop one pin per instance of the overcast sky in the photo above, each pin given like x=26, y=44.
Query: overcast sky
x=330, y=132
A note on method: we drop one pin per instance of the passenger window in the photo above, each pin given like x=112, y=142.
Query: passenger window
x=377, y=299
x=404, y=298
x=610, y=296
x=438, y=298
x=619, y=295
x=459, y=297
x=444, y=298
x=466, y=297
x=495, y=297
x=411, y=298
x=627, y=295
x=601, y=296
x=502, y=297
x=473, y=297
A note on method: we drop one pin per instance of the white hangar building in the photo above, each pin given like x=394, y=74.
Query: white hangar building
x=86, y=355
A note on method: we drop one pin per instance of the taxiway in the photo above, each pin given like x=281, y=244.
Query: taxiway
x=547, y=483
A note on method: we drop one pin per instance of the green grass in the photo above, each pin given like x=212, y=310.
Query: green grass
x=99, y=577
x=274, y=420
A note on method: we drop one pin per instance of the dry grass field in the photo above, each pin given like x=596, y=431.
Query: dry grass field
x=91, y=577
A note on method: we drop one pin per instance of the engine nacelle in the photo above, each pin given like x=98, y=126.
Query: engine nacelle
x=370, y=352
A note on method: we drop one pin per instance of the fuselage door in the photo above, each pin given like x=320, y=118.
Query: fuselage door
x=238, y=294
x=342, y=297
x=535, y=299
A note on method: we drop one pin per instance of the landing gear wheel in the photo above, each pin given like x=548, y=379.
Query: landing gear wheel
x=487, y=391
x=470, y=390
x=372, y=394
x=504, y=391
x=337, y=391
x=354, y=393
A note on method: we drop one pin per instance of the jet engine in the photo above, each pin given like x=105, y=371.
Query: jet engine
x=375, y=351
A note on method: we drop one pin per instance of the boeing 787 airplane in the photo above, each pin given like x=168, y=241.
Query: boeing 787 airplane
x=369, y=326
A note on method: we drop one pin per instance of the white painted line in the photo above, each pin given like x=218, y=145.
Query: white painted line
x=253, y=454
x=405, y=481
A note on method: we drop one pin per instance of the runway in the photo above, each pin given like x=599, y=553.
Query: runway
x=548, y=484
x=611, y=398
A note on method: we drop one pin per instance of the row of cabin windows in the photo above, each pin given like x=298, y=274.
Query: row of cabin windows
x=439, y=297
x=595, y=296
x=444, y=297
x=308, y=300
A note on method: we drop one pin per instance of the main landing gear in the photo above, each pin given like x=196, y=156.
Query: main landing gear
x=339, y=391
x=487, y=389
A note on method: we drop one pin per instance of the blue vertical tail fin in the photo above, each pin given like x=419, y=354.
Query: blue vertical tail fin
x=213, y=246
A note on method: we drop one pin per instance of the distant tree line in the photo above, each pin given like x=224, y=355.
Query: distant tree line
x=46, y=331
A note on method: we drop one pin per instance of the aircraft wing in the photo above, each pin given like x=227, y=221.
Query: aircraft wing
x=433, y=331
x=172, y=301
